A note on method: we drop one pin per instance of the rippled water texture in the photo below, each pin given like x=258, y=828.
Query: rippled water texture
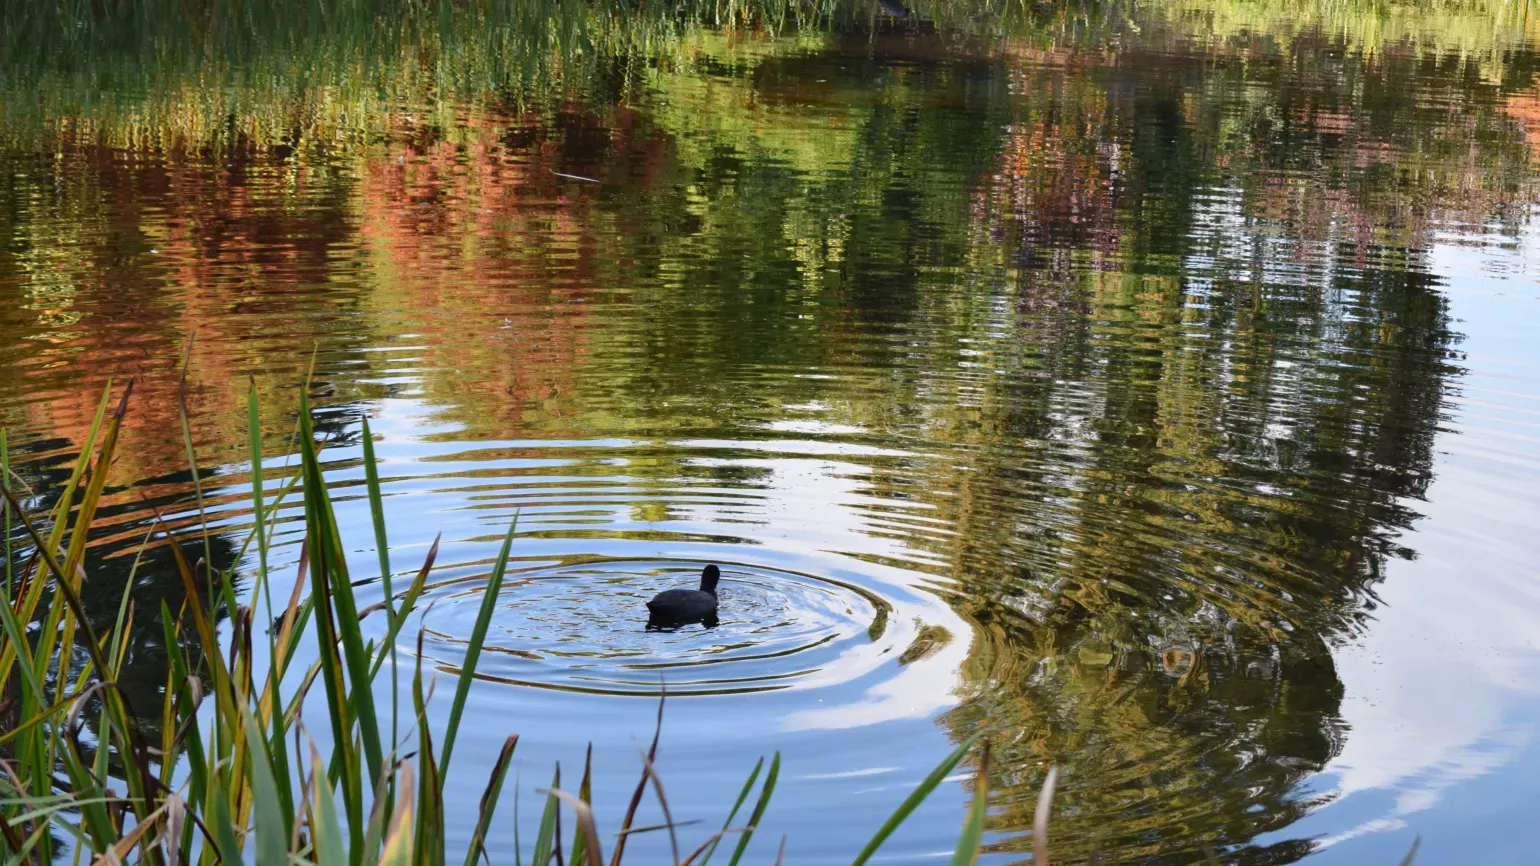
x=584, y=628
x=1151, y=390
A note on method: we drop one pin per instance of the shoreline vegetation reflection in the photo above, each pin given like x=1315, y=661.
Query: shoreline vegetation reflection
x=1112, y=325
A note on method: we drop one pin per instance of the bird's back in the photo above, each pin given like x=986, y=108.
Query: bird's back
x=682, y=602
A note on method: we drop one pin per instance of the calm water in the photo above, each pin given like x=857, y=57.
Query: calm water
x=1154, y=394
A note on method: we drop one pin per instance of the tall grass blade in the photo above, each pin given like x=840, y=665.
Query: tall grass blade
x=379, y=815
x=759, y=808
x=5, y=514
x=748, y=785
x=545, y=838
x=585, y=794
x=1040, y=818
x=973, y=829
x=223, y=828
x=489, y=800
x=914, y=799
x=668, y=818
x=377, y=512
x=478, y=637
x=641, y=784
x=326, y=832
x=408, y=602
x=271, y=821
x=192, y=457
x=585, y=829
x=328, y=568
x=382, y=548
x=399, y=842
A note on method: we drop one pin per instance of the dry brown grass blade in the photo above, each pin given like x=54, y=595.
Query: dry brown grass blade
x=1412, y=854
x=489, y=796
x=1040, y=819
x=704, y=845
x=653, y=828
x=92, y=645
x=780, y=854
x=641, y=788
x=171, y=840
x=585, y=821
x=657, y=787
x=5, y=826
x=120, y=849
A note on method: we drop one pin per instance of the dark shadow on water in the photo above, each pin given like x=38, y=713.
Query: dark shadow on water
x=671, y=624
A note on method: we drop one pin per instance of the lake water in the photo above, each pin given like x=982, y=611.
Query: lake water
x=1153, y=391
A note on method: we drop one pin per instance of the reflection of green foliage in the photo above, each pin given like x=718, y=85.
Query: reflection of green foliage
x=1158, y=350
x=1479, y=29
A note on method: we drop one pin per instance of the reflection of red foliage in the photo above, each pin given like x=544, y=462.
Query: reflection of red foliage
x=475, y=252
x=1525, y=108
x=1052, y=188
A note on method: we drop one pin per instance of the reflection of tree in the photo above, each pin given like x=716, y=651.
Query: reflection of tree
x=1170, y=502
x=1147, y=324
x=119, y=557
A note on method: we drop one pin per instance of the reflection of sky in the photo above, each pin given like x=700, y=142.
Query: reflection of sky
x=1442, y=695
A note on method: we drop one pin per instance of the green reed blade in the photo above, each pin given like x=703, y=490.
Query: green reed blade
x=19, y=643
x=223, y=828
x=27, y=846
x=192, y=458
x=473, y=648
x=759, y=808
x=377, y=512
x=271, y=821
x=545, y=838
x=591, y=850
x=185, y=713
x=77, y=546
x=66, y=501
x=585, y=796
x=748, y=785
x=913, y=801
x=274, y=698
x=330, y=850
x=382, y=547
x=121, y=627
x=95, y=818
x=489, y=800
x=429, y=817
x=374, y=834
x=5, y=478
x=47, y=714
x=399, y=843
x=330, y=577
x=408, y=602
x=973, y=829
x=258, y=494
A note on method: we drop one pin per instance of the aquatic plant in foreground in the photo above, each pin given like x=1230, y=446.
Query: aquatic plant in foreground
x=234, y=774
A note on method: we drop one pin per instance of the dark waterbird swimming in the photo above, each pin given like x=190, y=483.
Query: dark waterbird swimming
x=673, y=607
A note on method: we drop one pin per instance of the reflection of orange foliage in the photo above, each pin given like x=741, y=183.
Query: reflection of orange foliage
x=1525, y=108
x=491, y=260
x=1052, y=187
x=180, y=250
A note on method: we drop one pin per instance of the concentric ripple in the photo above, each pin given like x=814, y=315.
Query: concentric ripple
x=582, y=627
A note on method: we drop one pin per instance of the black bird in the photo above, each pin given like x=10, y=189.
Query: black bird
x=673, y=607
x=894, y=8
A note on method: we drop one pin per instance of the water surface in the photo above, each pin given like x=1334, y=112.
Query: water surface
x=1152, y=392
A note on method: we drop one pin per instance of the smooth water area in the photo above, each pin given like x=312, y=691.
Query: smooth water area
x=1154, y=392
